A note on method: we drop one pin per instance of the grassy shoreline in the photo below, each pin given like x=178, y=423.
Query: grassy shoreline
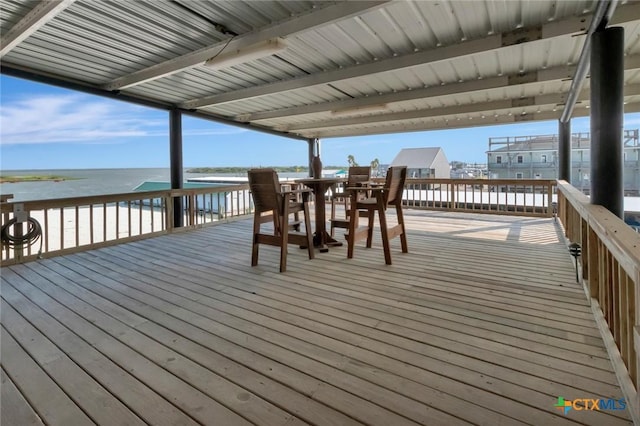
x=34, y=178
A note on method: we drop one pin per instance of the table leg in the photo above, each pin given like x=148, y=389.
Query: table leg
x=319, y=238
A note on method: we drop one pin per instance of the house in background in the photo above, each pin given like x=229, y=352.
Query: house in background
x=220, y=203
x=423, y=162
x=536, y=157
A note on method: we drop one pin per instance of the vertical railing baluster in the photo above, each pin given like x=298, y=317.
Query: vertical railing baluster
x=104, y=221
x=77, y=226
x=117, y=204
x=152, y=213
x=91, y=224
x=46, y=233
x=61, y=228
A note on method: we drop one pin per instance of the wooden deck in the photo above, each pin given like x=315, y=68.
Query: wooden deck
x=481, y=323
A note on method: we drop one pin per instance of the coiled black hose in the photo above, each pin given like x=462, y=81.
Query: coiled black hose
x=33, y=234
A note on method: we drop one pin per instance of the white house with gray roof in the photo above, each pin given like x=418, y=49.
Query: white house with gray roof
x=423, y=162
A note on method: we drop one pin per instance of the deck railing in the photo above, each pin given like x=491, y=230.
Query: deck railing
x=610, y=264
x=528, y=197
x=81, y=223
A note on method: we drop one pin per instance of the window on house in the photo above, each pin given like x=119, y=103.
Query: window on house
x=520, y=159
x=518, y=175
x=499, y=159
x=543, y=158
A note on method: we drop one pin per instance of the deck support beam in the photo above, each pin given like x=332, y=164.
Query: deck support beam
x=175, y=155
x=607, y=117
x=564, y=150
x=311, y=142
x=314, y=149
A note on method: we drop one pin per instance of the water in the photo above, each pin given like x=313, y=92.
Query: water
x=92, y=182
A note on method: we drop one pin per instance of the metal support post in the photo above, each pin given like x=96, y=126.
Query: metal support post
x=564, y=150
x=607, y=115
x=175, y=153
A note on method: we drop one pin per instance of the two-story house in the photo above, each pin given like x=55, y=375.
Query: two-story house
x=536, y=157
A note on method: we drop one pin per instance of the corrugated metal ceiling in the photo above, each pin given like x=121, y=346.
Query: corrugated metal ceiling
x=434, y=64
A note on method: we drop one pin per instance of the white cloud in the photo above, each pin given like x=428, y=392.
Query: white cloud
x=74, y=118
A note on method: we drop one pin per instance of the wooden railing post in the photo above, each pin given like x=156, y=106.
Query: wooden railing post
x=592, y=260
x=584, y=242
x=452, y=195
x=192, y=210
x=168, y=206
x=549, y=199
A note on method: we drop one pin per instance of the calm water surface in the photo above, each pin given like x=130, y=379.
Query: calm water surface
x=88, y=182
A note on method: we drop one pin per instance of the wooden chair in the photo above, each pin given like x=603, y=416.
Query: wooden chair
x=357, y=177
x=269, y=198
x=381, y=197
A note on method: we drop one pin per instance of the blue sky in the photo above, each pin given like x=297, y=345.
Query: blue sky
x=45, y=127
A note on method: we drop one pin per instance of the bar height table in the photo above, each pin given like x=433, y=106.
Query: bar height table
x=320, y=186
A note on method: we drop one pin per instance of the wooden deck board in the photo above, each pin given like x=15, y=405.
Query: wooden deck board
x=15, y=409
x=481, y=322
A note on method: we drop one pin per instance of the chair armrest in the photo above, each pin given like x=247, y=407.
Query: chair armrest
x=293, y=194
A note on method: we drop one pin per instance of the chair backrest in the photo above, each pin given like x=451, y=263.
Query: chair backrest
x=358, y=175
x=394, y=184
x=265, y=189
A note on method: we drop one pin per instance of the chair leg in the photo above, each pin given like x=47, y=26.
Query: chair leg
x=384, y=231
x=403, y=236
x=307, y=228
x=370, y=218
x=284, y=241
x=276, y=224
x=353, y=224
x=256, y=246
x=296, y=218
x=333, y=214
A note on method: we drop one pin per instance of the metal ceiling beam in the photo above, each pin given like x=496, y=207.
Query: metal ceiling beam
x=304, y=22
x=602, y=15
x=480, y=107
x=248, y=126
x=547, y=31
x=407, y=95
x=439, y=124
x=42, y=13
x=392, y=64
x=550, y=74
x=404, y=115
x=442, y=124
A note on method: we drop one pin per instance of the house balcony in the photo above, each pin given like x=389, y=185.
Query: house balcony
x=482, y=322
x=535, y=165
